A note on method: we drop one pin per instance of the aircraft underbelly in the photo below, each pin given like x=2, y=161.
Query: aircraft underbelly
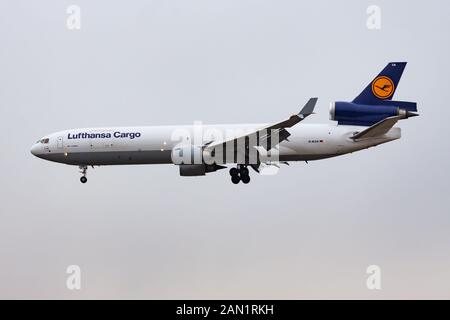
x=113, y=157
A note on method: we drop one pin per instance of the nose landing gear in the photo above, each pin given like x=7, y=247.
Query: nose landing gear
x=240, y=173
x=83, y=171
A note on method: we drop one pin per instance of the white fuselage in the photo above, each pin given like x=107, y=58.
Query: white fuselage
x=154, y=144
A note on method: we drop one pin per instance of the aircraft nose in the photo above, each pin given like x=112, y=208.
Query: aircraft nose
x=35, y=149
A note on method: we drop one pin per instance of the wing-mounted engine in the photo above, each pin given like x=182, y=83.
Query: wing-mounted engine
x=190, y=159
x=187, y=154
x=190, y=170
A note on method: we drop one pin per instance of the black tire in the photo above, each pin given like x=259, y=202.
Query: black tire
x=245, y=179
x=83, y=179
x=235, y=179
x=234, y=172
x=244, y=171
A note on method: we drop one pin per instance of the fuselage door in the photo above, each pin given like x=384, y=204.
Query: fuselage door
x=59, y=143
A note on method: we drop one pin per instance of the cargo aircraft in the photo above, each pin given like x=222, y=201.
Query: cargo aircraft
x=197, y=149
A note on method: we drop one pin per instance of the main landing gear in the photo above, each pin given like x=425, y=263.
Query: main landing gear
x=240, y=173
x=83, y=171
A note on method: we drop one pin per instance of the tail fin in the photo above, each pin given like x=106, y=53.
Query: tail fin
x=383, y=87
x=375, y=103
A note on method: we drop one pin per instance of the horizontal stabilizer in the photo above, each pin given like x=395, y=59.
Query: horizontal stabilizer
x=378, y=129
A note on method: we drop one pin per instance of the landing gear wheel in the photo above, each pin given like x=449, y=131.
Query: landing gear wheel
x=245, y=179
x=234, y=172
x=83, y=171
x=243, y=171
x=235, y=179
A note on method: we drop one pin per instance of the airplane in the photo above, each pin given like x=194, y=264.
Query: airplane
x=198, y=149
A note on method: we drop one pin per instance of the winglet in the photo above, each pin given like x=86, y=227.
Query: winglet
x=296, y=118
x=308, y=108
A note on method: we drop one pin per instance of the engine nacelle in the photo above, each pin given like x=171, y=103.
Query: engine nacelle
x=348, y=113
x=189, y=154
x=190, y=170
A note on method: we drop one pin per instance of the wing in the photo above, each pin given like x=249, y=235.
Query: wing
x=265, y=134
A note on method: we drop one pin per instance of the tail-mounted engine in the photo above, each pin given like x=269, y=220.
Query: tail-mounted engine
x=350, y=113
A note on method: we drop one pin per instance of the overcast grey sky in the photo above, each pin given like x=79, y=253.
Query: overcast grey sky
x=144, y=232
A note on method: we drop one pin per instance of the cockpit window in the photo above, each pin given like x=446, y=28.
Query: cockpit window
x=44, y=141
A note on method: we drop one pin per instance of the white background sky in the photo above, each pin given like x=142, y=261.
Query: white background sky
x=145, y=232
